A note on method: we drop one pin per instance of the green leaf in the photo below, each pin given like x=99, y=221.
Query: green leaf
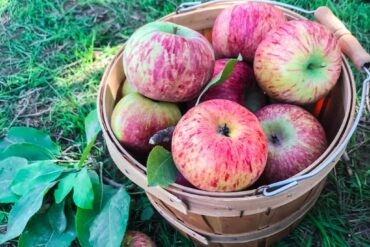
x=39, y=233
x=86, y=152
x=92, y=126
x=28, y=151
x=147, y=214
x=23, y=210
x=2, y=216
x=161, y=169
x=222, y=76
x=57, y=218
x=109, y=227
x=35, y=174
x=32, y=136
x=64, y=187
x=83, y=194
x=8, y=169
x=94, y=177
x=84, y=217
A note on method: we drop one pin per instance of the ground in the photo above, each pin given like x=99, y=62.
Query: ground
x=52, y=56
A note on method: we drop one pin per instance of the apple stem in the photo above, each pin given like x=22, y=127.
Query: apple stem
x=175, y=29
x=316, y=66
x=162, y=136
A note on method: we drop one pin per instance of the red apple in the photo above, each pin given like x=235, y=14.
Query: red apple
x=219, y=145
x=137, y=239
x=168, y=62
x=295, y=140
x=298, y=62
x=136, y=118
x=234, y=87
x=239, y=28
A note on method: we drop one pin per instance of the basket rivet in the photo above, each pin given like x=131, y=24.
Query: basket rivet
x=268, y=211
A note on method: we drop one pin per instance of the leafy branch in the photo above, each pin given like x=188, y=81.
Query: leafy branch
x=43, y=189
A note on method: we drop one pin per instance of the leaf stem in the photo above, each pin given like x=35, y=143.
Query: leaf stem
x=86, y=152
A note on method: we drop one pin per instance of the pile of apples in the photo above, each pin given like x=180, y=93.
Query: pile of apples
x=253, y=125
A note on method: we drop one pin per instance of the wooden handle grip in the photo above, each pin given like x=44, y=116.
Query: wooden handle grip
x=347, y=42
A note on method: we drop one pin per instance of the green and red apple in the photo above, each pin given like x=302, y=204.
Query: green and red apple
x=128, y=88
x=298, y=62
x=219, y=145
x=136, y=118
x=295, y=140
x=168, y=62
x=137, y=239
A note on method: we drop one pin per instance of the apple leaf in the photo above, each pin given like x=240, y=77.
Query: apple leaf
x=28, y=151
x=21, y=135
x=35, y=174
x=3, y=215
x=57, y=218
x=64, y=187
x=92, y=126
x=222, y=76
x=39, y=233
x=161, y=169
x=109, y=227
x=83, y=194
x=8, y=169
x=23, y=210
x=85, y=217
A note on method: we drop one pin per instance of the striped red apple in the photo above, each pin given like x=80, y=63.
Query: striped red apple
x=219, y=145
x=168, y=62
x=136, y=118
x=239, y=28
x=295, y=140
x=298, y=62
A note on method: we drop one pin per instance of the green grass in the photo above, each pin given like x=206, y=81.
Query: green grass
x=52, y=56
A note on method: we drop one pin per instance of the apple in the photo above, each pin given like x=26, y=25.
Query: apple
x=128, y=88
x=219, y=145
x=234, y=87
x=137, y=239
x=295, y=140
x=298, y=62
x=136, y=118
x=168, y=62
x=239, y=28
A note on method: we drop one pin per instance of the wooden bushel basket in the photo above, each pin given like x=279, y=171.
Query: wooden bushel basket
x=245, y=218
